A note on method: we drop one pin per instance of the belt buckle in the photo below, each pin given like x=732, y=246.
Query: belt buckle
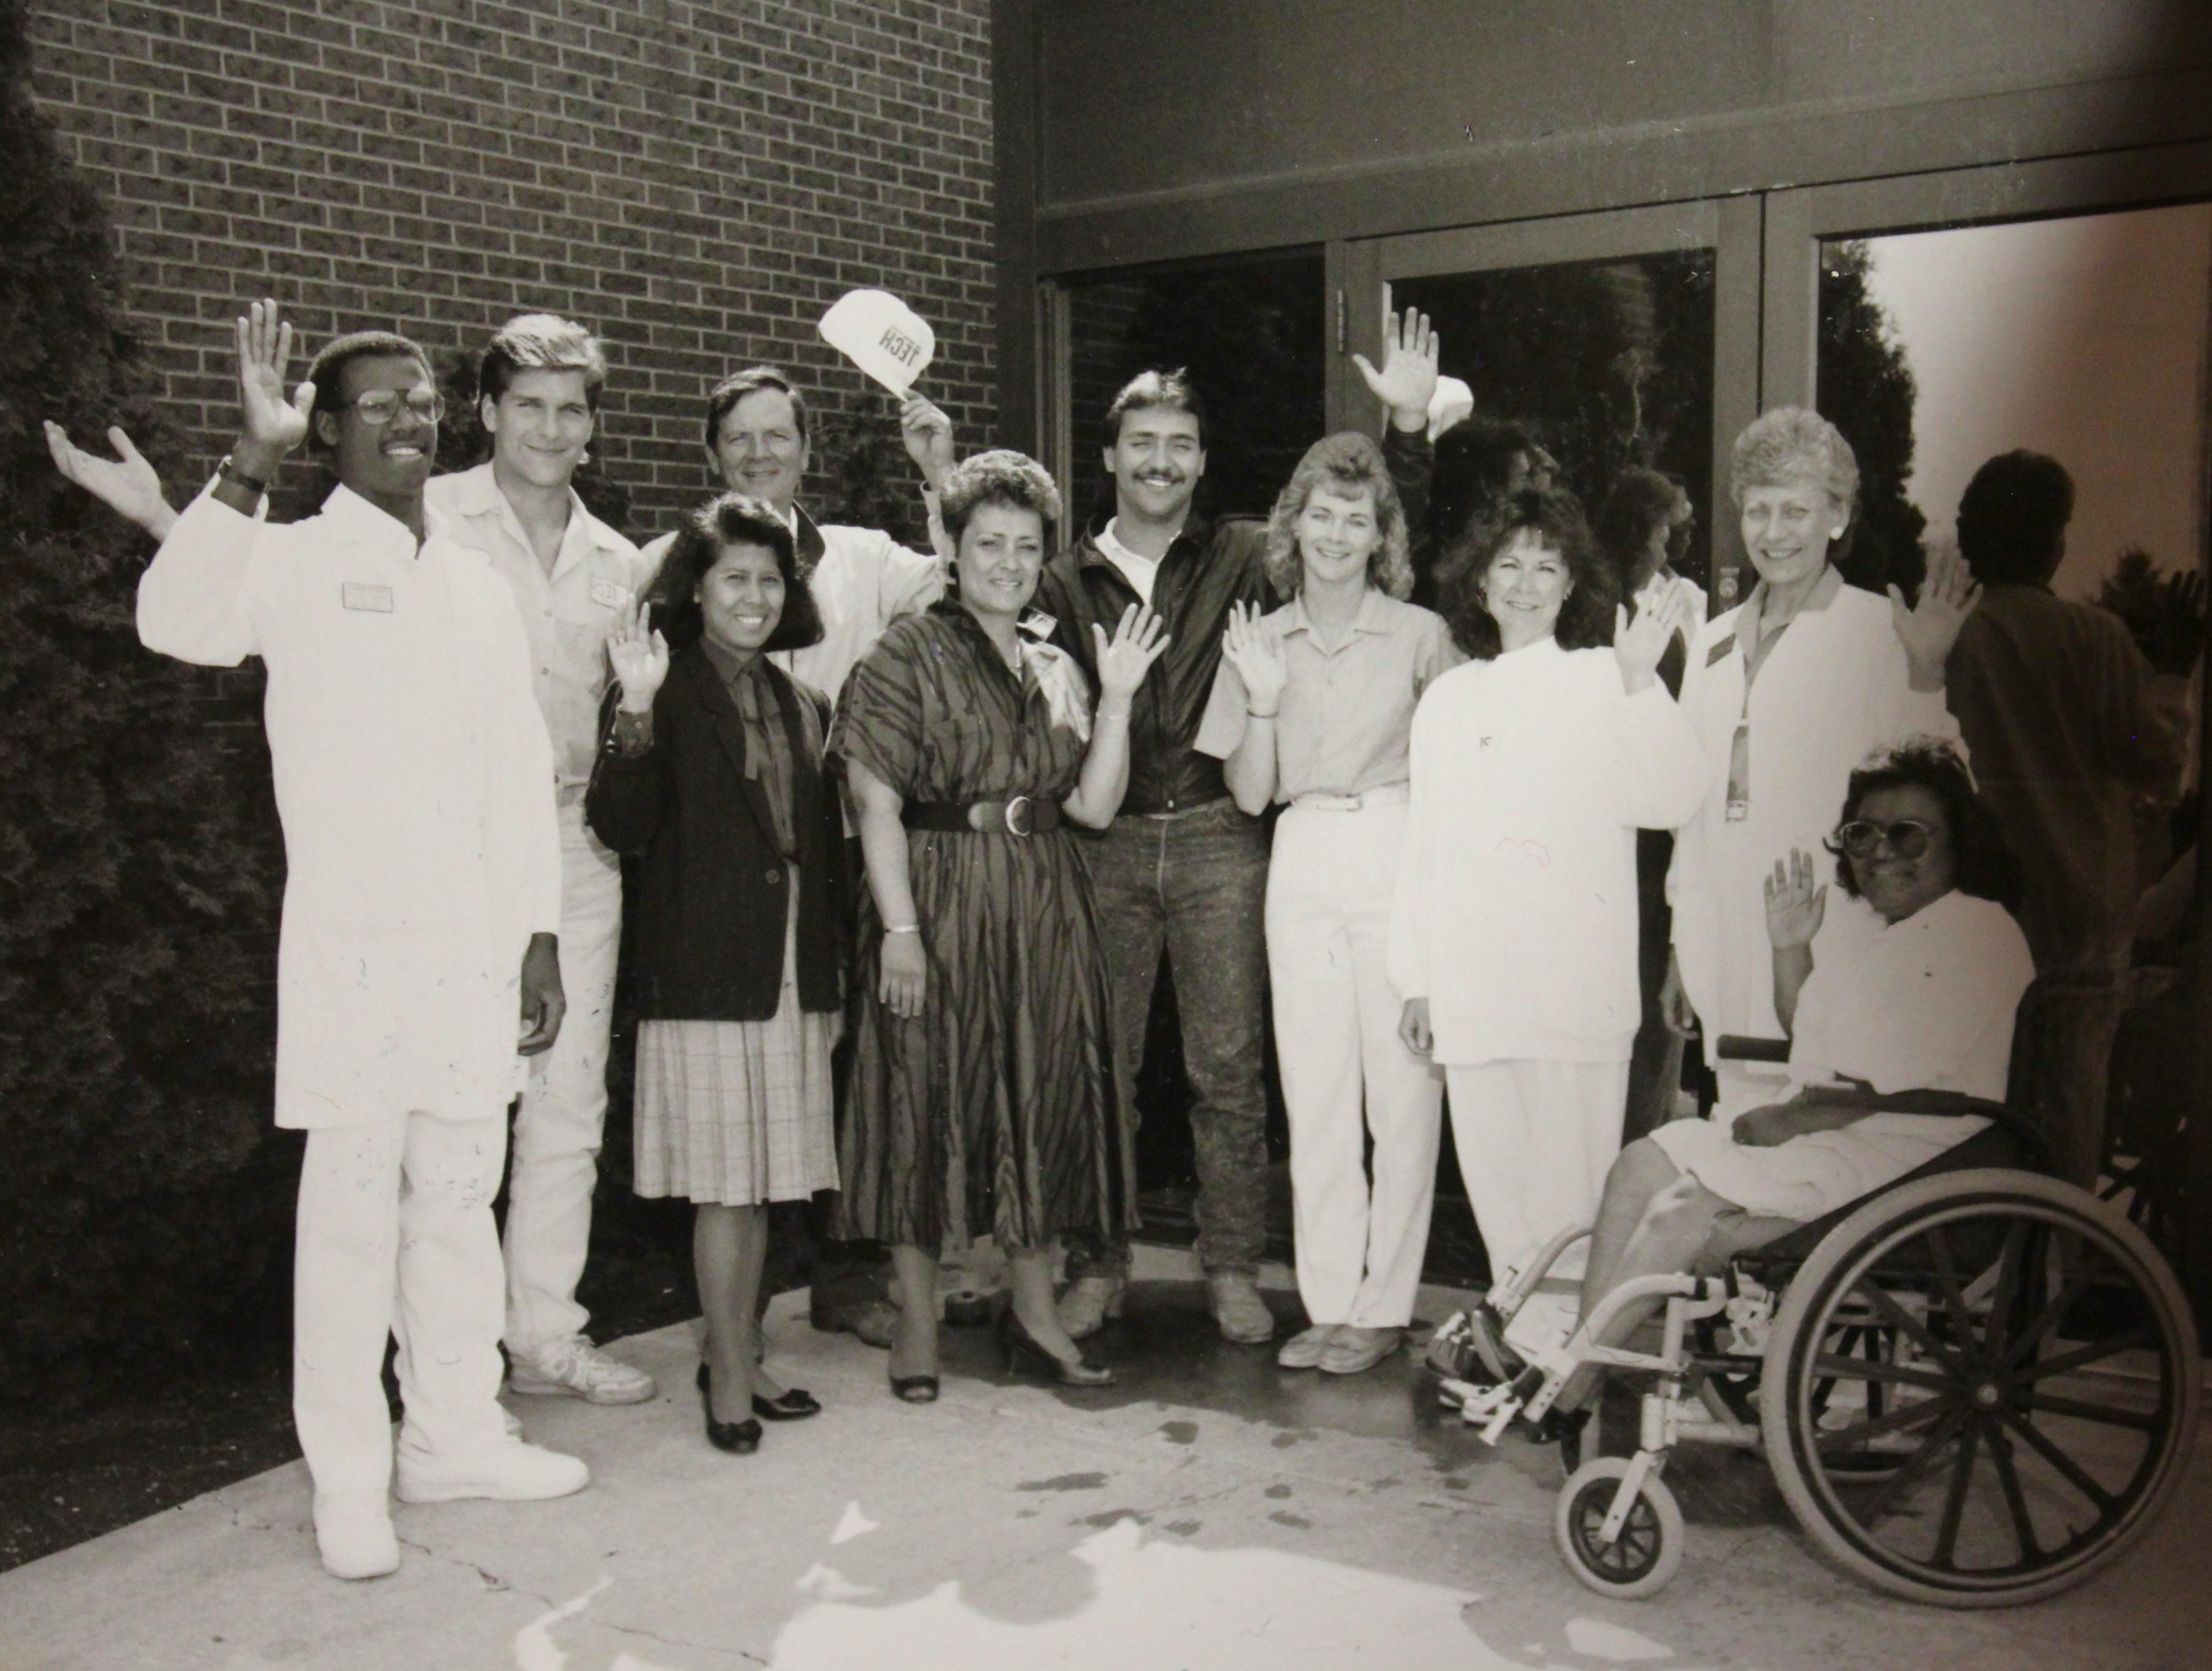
x=1018, y=817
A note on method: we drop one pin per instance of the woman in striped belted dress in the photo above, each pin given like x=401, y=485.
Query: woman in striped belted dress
x=1313, y=706
x=983, y=1094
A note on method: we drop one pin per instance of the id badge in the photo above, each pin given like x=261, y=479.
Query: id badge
x=1739, y=778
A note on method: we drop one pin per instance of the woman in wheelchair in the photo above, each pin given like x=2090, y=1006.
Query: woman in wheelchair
x=1907, y=985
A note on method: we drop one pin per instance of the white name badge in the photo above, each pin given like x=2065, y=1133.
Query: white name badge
x=1038, y=624
x=608, y=594
x=376, y=600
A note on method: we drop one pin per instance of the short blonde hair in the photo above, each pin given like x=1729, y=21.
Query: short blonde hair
x=1347, y=464
x=1795, y=444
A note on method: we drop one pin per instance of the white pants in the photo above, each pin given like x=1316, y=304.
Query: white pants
x=564, y=1108
x=1535, y=1140
x=395, y=1237
x=1359, y=1246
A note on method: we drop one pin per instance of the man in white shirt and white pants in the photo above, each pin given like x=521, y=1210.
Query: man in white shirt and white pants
x=421, y=906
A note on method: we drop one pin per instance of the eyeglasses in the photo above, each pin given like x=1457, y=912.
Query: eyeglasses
x=1907, y=837
x=381, y=405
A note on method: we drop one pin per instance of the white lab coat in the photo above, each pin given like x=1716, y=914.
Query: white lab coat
x=415, y=781
x=1832, y=691
x=1515, y=913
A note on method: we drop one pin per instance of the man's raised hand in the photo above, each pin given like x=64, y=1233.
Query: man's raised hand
x=927, y=433
x=270, y=426
x=127, y=485
x=1408, y=376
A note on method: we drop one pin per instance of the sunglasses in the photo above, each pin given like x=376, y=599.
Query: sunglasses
x=381, y=405
x=1907, y=837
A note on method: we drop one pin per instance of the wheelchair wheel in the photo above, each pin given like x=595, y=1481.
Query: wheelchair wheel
x=1645, y=1559
x=2026, y=1407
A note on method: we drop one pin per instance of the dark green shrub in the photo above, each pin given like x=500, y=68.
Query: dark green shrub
x=144, y=1199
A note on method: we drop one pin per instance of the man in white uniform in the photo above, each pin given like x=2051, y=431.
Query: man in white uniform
x=421, y=906
x=538, y=385
x=862, y=581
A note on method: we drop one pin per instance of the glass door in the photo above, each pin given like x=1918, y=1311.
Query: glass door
x=1605, y=341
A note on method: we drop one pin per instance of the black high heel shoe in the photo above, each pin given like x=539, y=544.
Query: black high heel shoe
x=1018, y=1344
x=739, y=1438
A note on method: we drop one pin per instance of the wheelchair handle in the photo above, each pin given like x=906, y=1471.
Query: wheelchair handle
x=1737, y=1047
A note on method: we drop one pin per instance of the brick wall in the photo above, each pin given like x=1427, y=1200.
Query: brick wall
x=695, y=181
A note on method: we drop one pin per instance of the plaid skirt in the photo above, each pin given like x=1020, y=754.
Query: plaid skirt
x=739, y=1112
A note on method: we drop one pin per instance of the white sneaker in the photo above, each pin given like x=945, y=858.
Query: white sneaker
x=353, y=1533
x=506, y=1471
x=575, y=1368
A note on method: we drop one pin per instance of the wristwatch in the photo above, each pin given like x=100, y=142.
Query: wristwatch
x=231, y=473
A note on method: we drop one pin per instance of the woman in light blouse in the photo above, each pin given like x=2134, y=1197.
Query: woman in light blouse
x=1313, y=707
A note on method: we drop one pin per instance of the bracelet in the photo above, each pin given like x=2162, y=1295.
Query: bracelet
x=1261, y=713
x=906, y=928
x=231, y=473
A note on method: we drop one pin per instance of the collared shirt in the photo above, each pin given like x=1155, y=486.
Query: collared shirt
x=1756, y=650
x=2055, y=702
x=567, y=615
x=416, y=787
x=862, y=581
x=768, y=746
x=1140, y=571
x=1347, y=709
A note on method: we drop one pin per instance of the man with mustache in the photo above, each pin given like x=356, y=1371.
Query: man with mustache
x=1181, y=869
x=421, y=906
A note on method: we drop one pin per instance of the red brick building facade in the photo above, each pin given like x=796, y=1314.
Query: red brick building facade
x=697, y=182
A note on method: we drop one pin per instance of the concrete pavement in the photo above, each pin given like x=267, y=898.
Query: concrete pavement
x=1212, y=1512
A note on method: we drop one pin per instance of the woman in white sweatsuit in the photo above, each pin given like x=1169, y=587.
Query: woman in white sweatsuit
x=1789, y=693
x=1513, y=934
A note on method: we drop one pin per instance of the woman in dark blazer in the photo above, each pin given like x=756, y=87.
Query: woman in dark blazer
x=711, y=773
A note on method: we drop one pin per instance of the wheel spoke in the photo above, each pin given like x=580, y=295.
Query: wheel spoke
x=2082, y=1410
x=2072, y=1472
x=1867, y=1369
x=1947, y=1277
x=1896, y=1421
x=1954, y=1500
x=2023, y=1524
x=1906, y=1321
x=2076, y=1286
x=1915, y=1467
x=2081, y=1355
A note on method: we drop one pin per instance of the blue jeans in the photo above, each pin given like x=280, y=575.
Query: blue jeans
x=1193, y=884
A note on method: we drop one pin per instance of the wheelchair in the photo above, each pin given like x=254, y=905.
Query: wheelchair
x=1974, y=1387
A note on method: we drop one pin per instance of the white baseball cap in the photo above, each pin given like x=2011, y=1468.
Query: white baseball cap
x=881, y=335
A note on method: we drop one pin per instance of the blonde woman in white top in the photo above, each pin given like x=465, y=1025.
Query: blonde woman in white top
x=1513, y=938
x=1314, y=706
x=1788, y=693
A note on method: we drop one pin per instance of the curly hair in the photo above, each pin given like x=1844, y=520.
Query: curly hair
x=731, y=519
x=1000, y=477
x=1983, y=862
x=328, y=371
x=1554, y=518
x=1348, y=465
x=1641, y=502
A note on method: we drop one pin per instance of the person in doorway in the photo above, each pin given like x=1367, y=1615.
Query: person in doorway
x=1513, y=928
x=1313, y=708
x=1183, y=870
x=1643, y=529
x=422, y=913
x=2056, y=703
x=711, y=775
x=983, y=1089
x=1788, y=692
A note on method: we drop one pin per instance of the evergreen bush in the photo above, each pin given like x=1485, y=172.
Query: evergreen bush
x=144, y=1199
